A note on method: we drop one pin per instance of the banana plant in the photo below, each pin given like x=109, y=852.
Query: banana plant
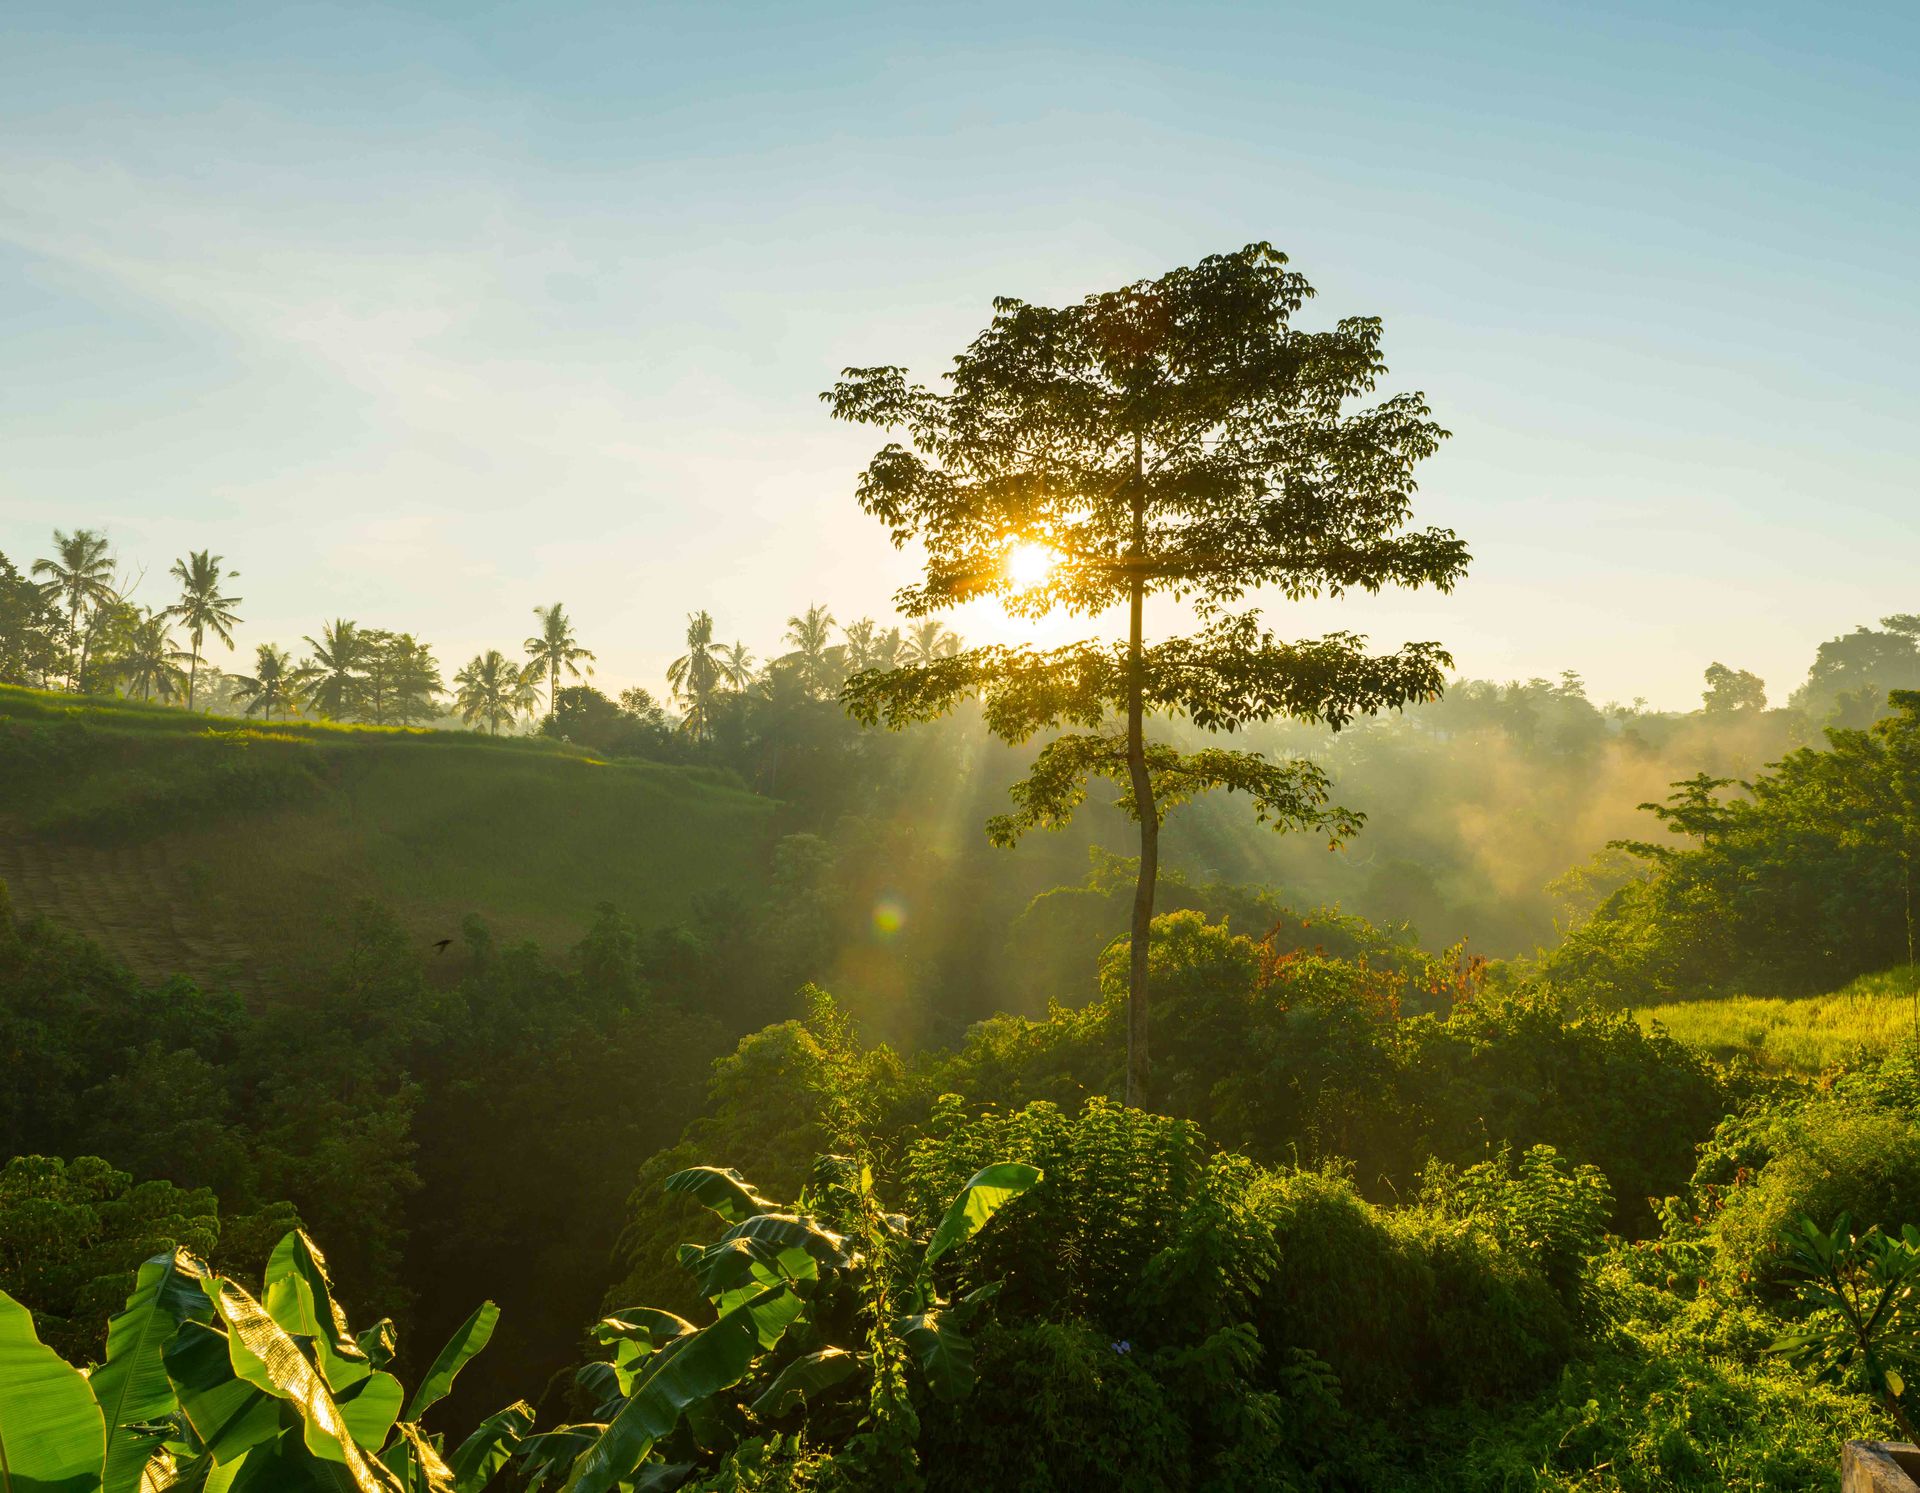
x=207, y=1387
x=673, y=1396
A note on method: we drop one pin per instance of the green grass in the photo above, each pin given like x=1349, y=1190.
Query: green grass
x=1805, y=1035
x=264, y=837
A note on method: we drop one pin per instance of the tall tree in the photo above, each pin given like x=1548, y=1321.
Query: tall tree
x=149, y=662
x=81, y=576
x=736, y=665
x=270, y=686
x=484, y=690
x=29, y=629
x=201, y=608
x=816, y=660
x=927, y=640
x=554, y=648
x=399, y=679
x=330, y=677
x=1177, y=436
x=857, y=643
x=697, y=674
x=1733, y=690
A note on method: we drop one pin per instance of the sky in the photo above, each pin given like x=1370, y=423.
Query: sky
x=425, y=315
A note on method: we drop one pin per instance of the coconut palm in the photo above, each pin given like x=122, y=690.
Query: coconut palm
x=150, y=663
x=815, y=659
x=80, y=576
x=330, y=678
x=270, y=685
x=887, y=649
x=697, y=674
x=736, y=666
x=554, y=648
x=927, y=641
x=201, y=608
x=858, y=648
x=488, y=688
x=526, y=690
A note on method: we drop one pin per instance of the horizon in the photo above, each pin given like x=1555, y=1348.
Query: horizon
x=425, y=320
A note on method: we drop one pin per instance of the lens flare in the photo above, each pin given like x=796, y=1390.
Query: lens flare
x=889, y=917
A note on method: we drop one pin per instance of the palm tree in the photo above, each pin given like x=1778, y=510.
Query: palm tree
x=887, y=649
x=526, y=690
x=270, y=684
x=929, y=640
x=330, y=679
x=554, y=648
x=151, y=663
x=697, y=673
x=82, y=577
x=815, y=659
x=487, y=689
x=736, y=666
x=201, y=607
x=858, y=649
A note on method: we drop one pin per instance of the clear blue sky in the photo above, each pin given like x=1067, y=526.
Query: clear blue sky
x=422, y=315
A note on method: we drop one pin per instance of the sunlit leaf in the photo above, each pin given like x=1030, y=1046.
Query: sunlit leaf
x=468, y=1339
x=52, y=1436
x=804, y=1379
x=490, y=1447
x=991, y=1189
x=720, y=1190
x=131, y=1387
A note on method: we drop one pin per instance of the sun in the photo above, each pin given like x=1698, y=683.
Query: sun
x=1029, y=565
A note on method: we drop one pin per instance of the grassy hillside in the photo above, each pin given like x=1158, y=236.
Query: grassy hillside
x=205, y=845
x=1806, y=1035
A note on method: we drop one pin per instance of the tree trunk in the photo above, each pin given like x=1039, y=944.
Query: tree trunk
x=1142, y=784
x=193, y=674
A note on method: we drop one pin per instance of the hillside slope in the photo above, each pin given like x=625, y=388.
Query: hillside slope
x=216, y=848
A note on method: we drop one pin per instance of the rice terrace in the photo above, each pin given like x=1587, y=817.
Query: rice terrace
x=809, y=749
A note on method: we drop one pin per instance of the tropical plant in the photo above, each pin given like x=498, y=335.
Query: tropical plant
x=817, y=662
x=201, y=608
x=204, y=1384
x=1176, y=436
x=150, y=663
x=399, y=679
x=928, y=641
x=857, y=643
x=736, y=666
x=1863, y=1324
x=30, y=628
x=554, y=648
x=697, y=675
x=784, y=1283
x=80, y=574
x=270, y=686
x=487, y=690
x=330, y=678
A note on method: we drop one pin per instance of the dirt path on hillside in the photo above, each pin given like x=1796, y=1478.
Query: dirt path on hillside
x=133, y=900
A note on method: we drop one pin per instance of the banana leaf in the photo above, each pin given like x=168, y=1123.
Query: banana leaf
x=991, y=1189
x=721, y=1190
x=491, y=1446
x=468, y=1339
x=52, y=1436
x=131, y=1387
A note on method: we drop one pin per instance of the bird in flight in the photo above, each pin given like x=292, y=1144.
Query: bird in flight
x=441, y=945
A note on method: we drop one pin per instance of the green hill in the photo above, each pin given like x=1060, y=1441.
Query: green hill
x=224, y=848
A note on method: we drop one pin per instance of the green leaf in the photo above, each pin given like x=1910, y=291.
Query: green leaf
x=131, y=1387
x=944, y=1352
x=468, y=1339
x=803, y=1379
x=721, y=1190
x=490, y=1447
x=716, y=1357
x=263, y=1354
x=228, y=1414
x=991, y=1189
x=1896, y=1386
x=378, y=1342
x=416, y=1462
x=297, y=1293
x=52, y=1436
